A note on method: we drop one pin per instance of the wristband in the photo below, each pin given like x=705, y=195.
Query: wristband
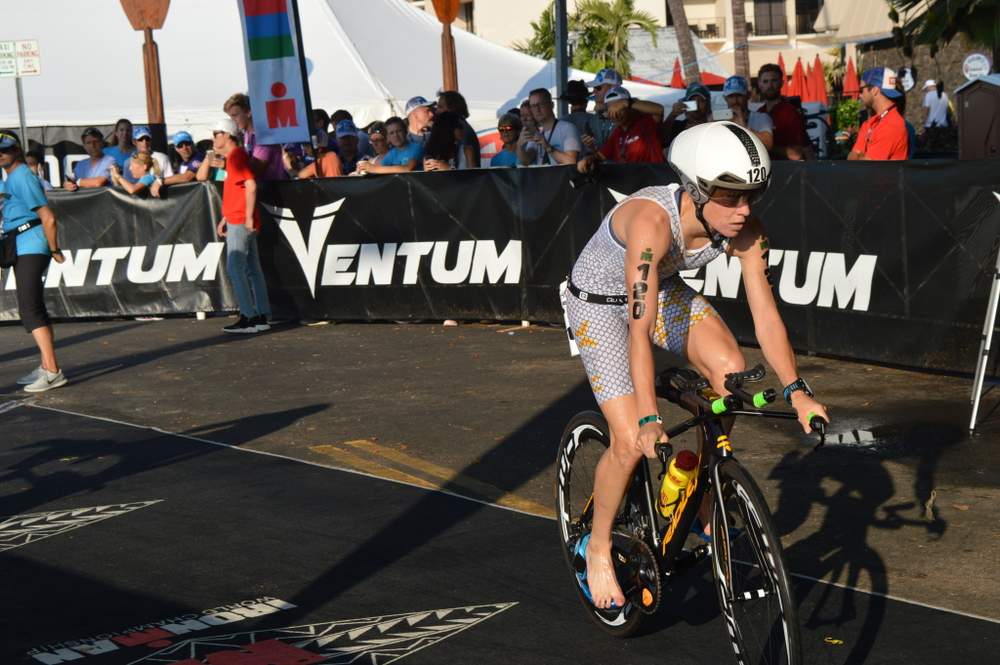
x=797, y=384
x=650, y=419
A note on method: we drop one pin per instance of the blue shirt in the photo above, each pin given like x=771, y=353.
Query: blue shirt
x=119, y=156
x=147, y=179
x=504, y=158
x=85, y=168
x=22, y=195
x=402, y=156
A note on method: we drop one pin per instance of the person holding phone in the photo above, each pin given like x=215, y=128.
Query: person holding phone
x=213, y=167
x=635, y=139
x=694, y=109
x=553, y=141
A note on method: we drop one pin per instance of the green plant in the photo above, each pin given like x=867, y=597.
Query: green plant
x=845, y=115
x=936, y=22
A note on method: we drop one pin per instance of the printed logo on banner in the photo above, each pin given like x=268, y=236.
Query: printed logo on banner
x=375, y=264
x=159, y=634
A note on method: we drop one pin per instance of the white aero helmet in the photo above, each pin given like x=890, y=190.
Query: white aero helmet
x=719, y=154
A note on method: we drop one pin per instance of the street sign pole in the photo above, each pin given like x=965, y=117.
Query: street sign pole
x=20, y=113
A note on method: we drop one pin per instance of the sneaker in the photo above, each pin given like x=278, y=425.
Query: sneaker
x=46, y=381
x=30, y=377
x=243, y=325
x=261, y=323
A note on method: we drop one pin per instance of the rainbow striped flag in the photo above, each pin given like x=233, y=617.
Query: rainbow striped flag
x=268, y=31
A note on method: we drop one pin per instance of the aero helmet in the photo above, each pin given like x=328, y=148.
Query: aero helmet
x=719, y=154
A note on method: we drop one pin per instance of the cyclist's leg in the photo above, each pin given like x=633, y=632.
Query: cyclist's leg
x=601, y=334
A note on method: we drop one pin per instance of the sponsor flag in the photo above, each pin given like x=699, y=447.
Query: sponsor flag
x=279, y=89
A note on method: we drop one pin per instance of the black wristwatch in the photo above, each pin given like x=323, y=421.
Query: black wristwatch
x=797, y=384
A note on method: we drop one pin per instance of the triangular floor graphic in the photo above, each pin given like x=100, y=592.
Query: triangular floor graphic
x=24, y=529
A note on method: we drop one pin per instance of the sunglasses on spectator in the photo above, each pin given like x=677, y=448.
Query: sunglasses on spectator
x=144, y=138
x=505, y=128
x=734, y=198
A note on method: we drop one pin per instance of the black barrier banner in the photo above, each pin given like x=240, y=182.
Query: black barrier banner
x=128, y=255
x=889, y=262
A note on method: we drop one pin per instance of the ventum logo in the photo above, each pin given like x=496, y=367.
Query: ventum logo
x=383, y=264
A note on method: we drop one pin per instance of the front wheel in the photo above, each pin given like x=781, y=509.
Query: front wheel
x=751, y=575
x=583, y=442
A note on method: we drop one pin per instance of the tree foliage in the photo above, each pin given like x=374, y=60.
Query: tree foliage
x=602, y=27
x=978, y=20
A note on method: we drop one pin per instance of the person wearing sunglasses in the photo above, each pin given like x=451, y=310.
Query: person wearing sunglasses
x=404, y=154
x=883, y=136
x=509, y=128
x=625, y=295
x=379, y=142
x=144, y=144
x=26, y=212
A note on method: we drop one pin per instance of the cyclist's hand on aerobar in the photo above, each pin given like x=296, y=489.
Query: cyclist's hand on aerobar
x=650, y=434
x=805, y=406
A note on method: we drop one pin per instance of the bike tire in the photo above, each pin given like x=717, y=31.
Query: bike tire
x=751, y=575
x=584, y=440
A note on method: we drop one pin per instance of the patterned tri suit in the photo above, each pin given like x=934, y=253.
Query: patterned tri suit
x=601, y=330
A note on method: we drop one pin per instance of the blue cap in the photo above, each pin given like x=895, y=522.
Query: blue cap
x=882, y=78
x=140, y=131
x=182, y=137
x=697, y=90
x=606, y=75
x=736, y=85
x=8, y=140
x=414, y=103
x=346, y=128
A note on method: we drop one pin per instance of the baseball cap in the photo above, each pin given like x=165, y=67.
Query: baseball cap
x=697, y=90
x=414, y=103
x=141, y=131
x=92, y=131
x=882, y=78
x=617, y=94
x=227, y=126
x=346, y=128
x=8, y=140
x=735, y=85
x=182, y=137
x=576, y=91
x=930, y=83
x=606, y=75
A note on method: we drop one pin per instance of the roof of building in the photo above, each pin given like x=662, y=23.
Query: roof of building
x=857, y=21
x=992, y=79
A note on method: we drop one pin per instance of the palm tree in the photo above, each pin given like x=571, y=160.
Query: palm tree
x=684, y=41
x=944, y=19
x=543, y=39
x=740, y=42
x=604, y=28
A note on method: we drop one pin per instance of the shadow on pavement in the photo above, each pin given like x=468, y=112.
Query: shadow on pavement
x=31, y=351
x=849, y=481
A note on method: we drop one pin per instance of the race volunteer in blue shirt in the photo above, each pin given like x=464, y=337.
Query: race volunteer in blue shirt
x=95, y=171
x=24, y=204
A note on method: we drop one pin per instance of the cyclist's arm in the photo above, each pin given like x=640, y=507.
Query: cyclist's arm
x=647, y=240
x=751, y=246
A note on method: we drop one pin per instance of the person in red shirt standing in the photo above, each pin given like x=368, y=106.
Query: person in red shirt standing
x=239, y=226
x=790, y=138
x=883, y=136
x=635, y=138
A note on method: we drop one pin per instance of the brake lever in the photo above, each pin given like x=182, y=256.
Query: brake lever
x=818, y=425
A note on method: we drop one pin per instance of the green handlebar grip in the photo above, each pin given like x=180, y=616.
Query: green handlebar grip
x=719, y=406
x=810, y=416
x=759, y=400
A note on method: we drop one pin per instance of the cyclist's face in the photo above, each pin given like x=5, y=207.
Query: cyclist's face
x=727, y=210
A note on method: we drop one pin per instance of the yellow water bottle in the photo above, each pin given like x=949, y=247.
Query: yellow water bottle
x=681, y=471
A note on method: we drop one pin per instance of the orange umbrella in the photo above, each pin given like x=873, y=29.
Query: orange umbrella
x=797, y=88
x=852, y=87
x=781, y=65
x=677, y=81
x=819, y=85
x=808, y=94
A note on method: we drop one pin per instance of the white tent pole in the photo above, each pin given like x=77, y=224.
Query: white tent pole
x=987, y=341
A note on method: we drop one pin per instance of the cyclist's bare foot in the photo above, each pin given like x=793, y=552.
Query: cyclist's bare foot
x=601, y=578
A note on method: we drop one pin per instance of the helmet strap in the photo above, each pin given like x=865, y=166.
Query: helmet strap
x=713, y=235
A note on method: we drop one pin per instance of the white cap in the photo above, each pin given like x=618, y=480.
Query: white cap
x=227, y=125
x=930, y=83
x=617, y=94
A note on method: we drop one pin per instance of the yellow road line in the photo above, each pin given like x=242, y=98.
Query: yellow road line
x=350, y=460
x=449, y=479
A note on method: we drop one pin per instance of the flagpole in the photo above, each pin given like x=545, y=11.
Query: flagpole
x=305, y=74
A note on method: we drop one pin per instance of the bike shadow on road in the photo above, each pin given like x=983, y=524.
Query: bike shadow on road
x=847, y=487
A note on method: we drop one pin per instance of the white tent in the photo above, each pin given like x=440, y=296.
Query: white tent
x=367, y=57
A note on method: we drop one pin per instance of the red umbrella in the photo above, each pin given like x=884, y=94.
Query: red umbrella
x=784, y=74
x=708, y=78
x=677, y=81
x=797, y=88
x=852, y=87
x=808, y=94
x=819, y=85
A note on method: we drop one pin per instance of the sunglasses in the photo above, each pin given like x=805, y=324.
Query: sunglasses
x=144, y=138
x=506, y=128
x=734, y=198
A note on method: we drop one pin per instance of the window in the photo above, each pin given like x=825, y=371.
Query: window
x=769, y=17
x=806, y=13
x=465, y=17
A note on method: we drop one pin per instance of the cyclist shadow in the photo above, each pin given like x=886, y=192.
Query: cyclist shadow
x=848, y=479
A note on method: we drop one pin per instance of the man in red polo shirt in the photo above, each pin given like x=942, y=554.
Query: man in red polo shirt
x=790, y=138
x=239, y=226
x=883, y=136
x=635, y=138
